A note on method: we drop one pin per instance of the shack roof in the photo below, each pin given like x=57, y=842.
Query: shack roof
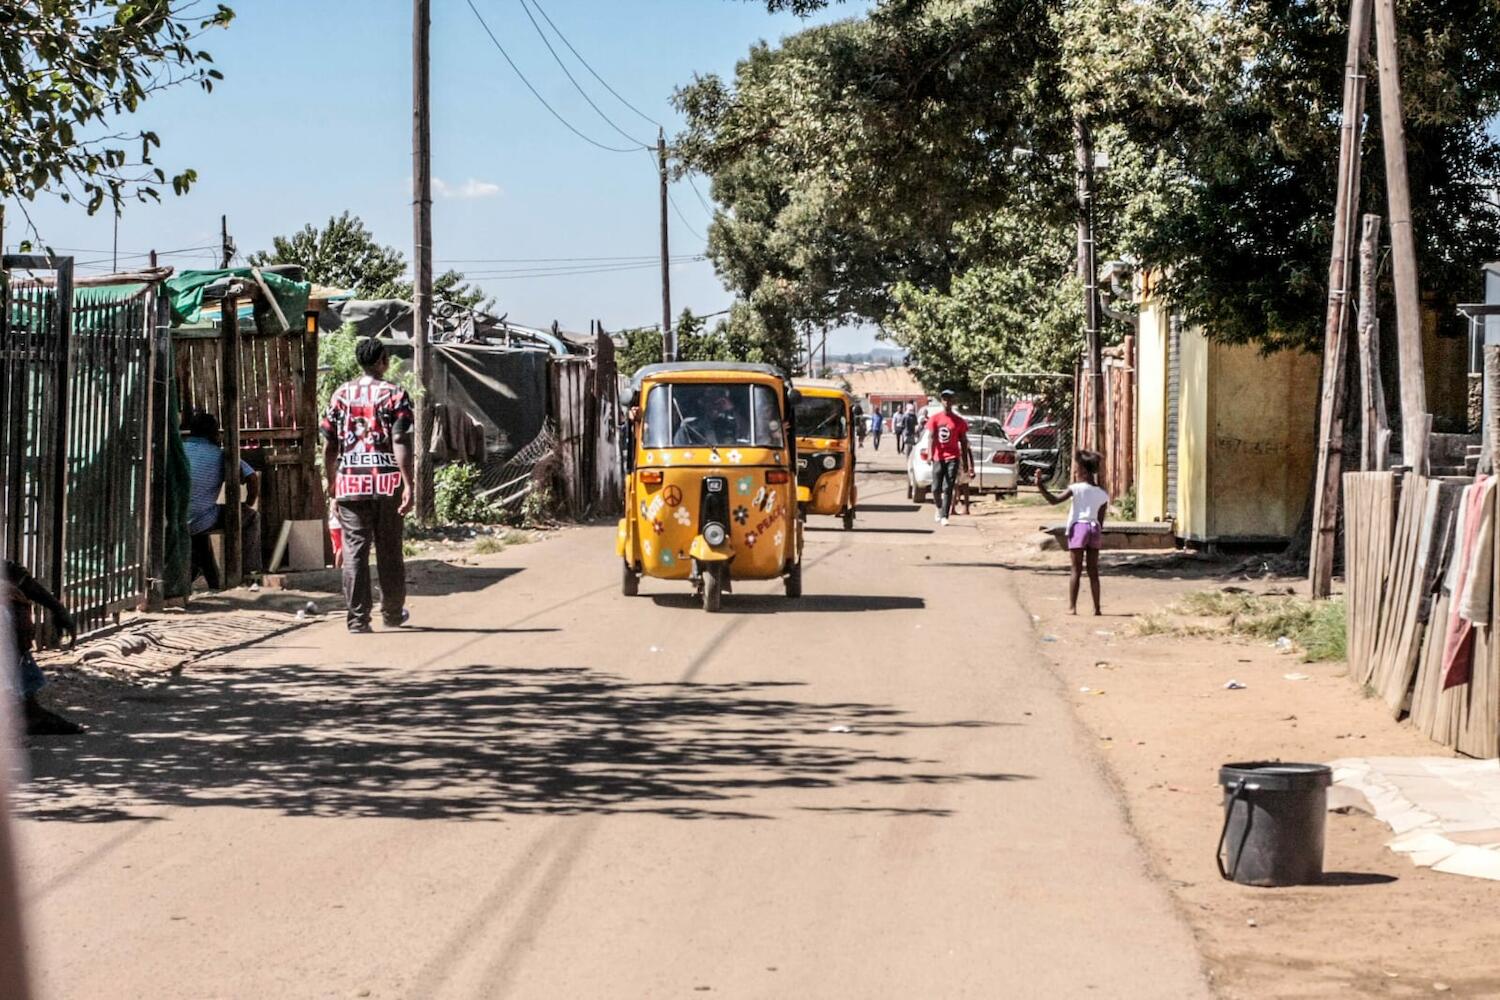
x=885, y=382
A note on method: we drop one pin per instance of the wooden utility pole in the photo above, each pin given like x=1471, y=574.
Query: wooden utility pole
x=1330, y=467
x=1088, y=273
x=1375, y=430
x=668, y=342
x=421, y=171
x=226, y=245
x=1414, y=420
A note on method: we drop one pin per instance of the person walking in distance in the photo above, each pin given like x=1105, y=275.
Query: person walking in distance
x=909, y=426
x=950, y=450
x=898, y=429
x=875, y=422
x=1085, y=522
x=367, y=458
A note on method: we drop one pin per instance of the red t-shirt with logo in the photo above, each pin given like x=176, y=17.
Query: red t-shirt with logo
x=365, y=417
x=948, y=431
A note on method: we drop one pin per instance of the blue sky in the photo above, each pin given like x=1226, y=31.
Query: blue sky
x=313, y=117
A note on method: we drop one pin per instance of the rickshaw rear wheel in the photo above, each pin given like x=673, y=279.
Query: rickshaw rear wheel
x=713, y=587
x=793, y=580
x=630, y=580
x=849, y=520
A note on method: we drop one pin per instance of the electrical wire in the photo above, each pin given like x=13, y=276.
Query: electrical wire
x=701, y=200
x=571, y=79
x=537, y=94
x=683, y=218
x=602, y=82
x=622, y=269
x=556, y=260
x=563, y=270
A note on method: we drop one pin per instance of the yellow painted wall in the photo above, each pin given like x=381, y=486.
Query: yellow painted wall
x=1262, y=441
x=1193, y=434
x=1151, y=413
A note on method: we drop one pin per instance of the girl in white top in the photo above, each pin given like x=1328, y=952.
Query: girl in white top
x=1086, y=515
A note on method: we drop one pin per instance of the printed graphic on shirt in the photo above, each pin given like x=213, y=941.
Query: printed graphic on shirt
x=365, y=417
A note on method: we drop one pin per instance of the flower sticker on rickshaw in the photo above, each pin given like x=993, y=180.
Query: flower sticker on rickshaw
x=643, y=511
x=713, y=456
x=658, y=527
x=735, y=456
x=666, y=458
x=683, y=517
x=672, y=495
x=687, y=456
x=780, y=537
x=666, y=558
x=743, y=485
x=649, y=458
x=646, y=546
x=742, y=515
x=751, y=538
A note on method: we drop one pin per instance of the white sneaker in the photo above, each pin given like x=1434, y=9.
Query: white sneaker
x=937, y=516
x=943, y=521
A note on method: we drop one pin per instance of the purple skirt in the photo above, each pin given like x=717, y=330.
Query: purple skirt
x=1084, y=535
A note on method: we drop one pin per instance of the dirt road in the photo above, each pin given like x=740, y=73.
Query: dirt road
x=544, y=789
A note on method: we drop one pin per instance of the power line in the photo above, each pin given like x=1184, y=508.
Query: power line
x=554, y=260
x=701, y=200
x=591, y=70
x=571, y=79
x=575, y=268
x=537, y=94
x=574, y=273
x=683, y=218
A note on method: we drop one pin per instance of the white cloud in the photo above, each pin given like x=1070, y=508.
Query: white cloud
x=469, y=189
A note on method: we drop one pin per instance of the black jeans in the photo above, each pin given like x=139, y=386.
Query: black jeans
x=944, y=479
x=373, y=521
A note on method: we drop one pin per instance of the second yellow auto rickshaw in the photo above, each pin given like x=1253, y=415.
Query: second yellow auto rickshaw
x=825, y=450
x=710, y=479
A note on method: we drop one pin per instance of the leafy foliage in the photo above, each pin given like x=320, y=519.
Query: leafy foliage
x=457, y=498
x=914, y=168
x=71, y=68
x=696, y=341
x=345, y=254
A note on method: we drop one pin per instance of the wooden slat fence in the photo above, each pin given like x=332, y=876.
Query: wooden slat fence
x=1401, y=535
x=278, y=373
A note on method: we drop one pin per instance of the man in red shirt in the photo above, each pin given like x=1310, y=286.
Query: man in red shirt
x=368, y=461
x=950, y=446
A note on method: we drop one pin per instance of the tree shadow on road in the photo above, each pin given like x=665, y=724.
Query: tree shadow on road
x=772, y=604
x=478, y=742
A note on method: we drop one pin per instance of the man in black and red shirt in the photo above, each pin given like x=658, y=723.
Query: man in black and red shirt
x=950, y=450
x=368, y=461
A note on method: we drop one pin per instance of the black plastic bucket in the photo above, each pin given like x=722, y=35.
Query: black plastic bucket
x=1274, y=817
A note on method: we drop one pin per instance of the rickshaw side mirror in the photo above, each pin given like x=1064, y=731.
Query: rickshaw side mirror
x=631, y=398
x=793, y=397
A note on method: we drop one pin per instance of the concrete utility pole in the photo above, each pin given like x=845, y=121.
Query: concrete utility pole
x=668, y=342
x=1088, y=273
x=421, y=156
x=1403, y=245
x=1330, y=467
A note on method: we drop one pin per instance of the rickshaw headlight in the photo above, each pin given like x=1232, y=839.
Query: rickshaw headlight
x=829, y=462
x=714, y=534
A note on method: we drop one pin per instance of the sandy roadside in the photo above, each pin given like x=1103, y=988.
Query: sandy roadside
x=1164, y=723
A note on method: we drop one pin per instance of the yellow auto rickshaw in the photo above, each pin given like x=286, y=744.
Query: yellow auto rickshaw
x=825, y=450
x=710, y=479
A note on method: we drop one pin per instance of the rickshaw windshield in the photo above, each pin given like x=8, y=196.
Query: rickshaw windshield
x=821, y=417
x=680, y=415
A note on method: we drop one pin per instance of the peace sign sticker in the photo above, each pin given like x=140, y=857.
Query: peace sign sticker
x=672, y=495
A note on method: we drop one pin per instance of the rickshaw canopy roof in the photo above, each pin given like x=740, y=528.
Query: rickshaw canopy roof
x=821, y=387
x=702, y=368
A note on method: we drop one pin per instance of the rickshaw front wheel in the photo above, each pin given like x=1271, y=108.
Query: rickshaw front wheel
x=713, y=586
x=630, y=580
x=793, y=580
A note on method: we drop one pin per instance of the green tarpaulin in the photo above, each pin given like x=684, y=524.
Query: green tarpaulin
x=185, y=291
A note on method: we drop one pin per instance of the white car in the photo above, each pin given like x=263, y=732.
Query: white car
x=994, y=460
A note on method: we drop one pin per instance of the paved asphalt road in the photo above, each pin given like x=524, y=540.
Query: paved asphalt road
x=549, y=790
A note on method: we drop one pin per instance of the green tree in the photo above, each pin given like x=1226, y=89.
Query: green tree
x=883, y=167
x=72, y=67
x=345, y=254
x=696, y=341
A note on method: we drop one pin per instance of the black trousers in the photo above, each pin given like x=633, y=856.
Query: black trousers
x=373, y=521
x=944, y=479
